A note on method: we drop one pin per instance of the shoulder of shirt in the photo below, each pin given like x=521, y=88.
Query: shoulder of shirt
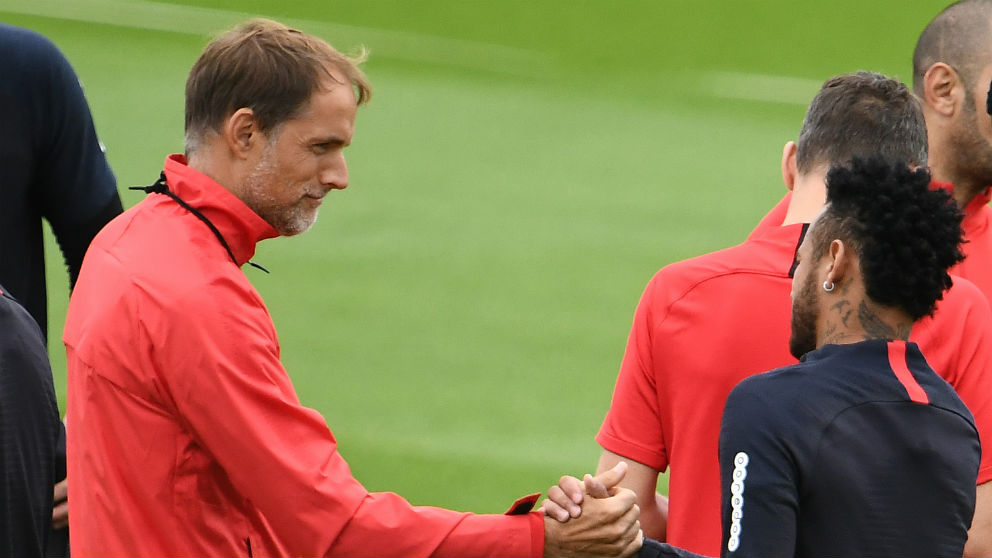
x=769, y=396
x=961, y=297
x=794, y=394
x=749, y=258
x=17, y=43
x=786, y=375
x=144, y=251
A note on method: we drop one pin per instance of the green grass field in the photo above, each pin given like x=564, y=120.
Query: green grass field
x=459, y=313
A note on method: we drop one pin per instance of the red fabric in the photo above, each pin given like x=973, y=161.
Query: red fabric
x=897, y=361
x=976, y=225
x=188, y=438
x=704, y=324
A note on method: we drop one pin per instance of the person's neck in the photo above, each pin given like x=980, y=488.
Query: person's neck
x=809, y=193
x=207, y=161
x=944, y=168
x=963, y=189
x=852, y=319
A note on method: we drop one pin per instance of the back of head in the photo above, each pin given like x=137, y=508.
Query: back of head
x=906, y=235
x=960, y=37
x=267, y=67
x=863, y=114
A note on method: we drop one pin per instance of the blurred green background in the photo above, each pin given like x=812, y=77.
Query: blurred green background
x=458, y=314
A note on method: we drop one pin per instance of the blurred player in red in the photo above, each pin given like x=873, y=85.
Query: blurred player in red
x=952, y=67
x=706, y=323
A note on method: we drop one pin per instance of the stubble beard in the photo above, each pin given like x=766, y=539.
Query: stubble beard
x=288, y=220
x=804, y=315
x=972, y=152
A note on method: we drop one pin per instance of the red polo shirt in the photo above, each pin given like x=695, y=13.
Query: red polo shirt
x=706, y=323
x=977, y=248
x=187, y=436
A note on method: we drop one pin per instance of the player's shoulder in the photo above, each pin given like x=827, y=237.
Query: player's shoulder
x=962, y=301
x=27, y=50
x=721, y=263
x=777, y=388
x=16, y=321
x=749, y=267
x=158, y=243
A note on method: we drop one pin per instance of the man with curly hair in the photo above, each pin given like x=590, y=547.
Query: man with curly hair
x=838, y=455
x=706, y=323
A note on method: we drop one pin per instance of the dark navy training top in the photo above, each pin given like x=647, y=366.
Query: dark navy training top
x=29, y=433
x=858, y=450
x=51, y=166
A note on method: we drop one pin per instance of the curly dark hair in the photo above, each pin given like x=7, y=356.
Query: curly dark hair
x=906, y=235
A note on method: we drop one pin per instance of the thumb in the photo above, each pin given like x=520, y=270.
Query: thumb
x=612, y=477
x=595, y=488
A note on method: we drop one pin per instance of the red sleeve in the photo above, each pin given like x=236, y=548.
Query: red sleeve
x=633, y=426
x=241, y=405
x=220, y=362
x=386, y=525
x=957, y=343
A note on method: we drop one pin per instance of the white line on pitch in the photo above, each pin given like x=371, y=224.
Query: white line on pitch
x=192, y=20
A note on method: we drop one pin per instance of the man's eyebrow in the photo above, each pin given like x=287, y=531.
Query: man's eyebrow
x=335, y=140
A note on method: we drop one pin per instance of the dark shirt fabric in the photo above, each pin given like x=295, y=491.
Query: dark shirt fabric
x=654, y=549
x=858, y=450
x=54, y=167
x=29, y=433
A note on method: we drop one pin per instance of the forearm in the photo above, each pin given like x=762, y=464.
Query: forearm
x=643, y=480
x=387, y=525
x=980, y=535
x=654, y=516
x=495, y=535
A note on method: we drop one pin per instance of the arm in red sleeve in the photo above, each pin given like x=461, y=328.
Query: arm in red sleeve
x=219, y=358
x=633, y=425
x=385, y=524
x=238, y=401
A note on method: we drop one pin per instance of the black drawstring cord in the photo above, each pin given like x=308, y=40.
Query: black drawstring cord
x=161, y=187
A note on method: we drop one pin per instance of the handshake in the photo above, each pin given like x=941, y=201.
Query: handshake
x=592, y=517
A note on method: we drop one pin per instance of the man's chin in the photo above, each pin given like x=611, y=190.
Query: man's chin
x=296, y=226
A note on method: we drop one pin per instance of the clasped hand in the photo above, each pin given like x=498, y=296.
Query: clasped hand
x=592, y=517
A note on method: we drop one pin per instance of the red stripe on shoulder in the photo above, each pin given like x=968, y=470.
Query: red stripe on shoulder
x=897, y=360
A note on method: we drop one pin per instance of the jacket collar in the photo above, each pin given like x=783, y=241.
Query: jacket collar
x=975, y=205
x=241, y=227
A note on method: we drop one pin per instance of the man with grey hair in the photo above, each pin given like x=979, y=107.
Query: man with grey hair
x=185, y=426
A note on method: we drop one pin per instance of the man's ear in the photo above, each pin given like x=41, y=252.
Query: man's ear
x=943, y=90
x=841, y=262
x=241, y=133
x=789, y=165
